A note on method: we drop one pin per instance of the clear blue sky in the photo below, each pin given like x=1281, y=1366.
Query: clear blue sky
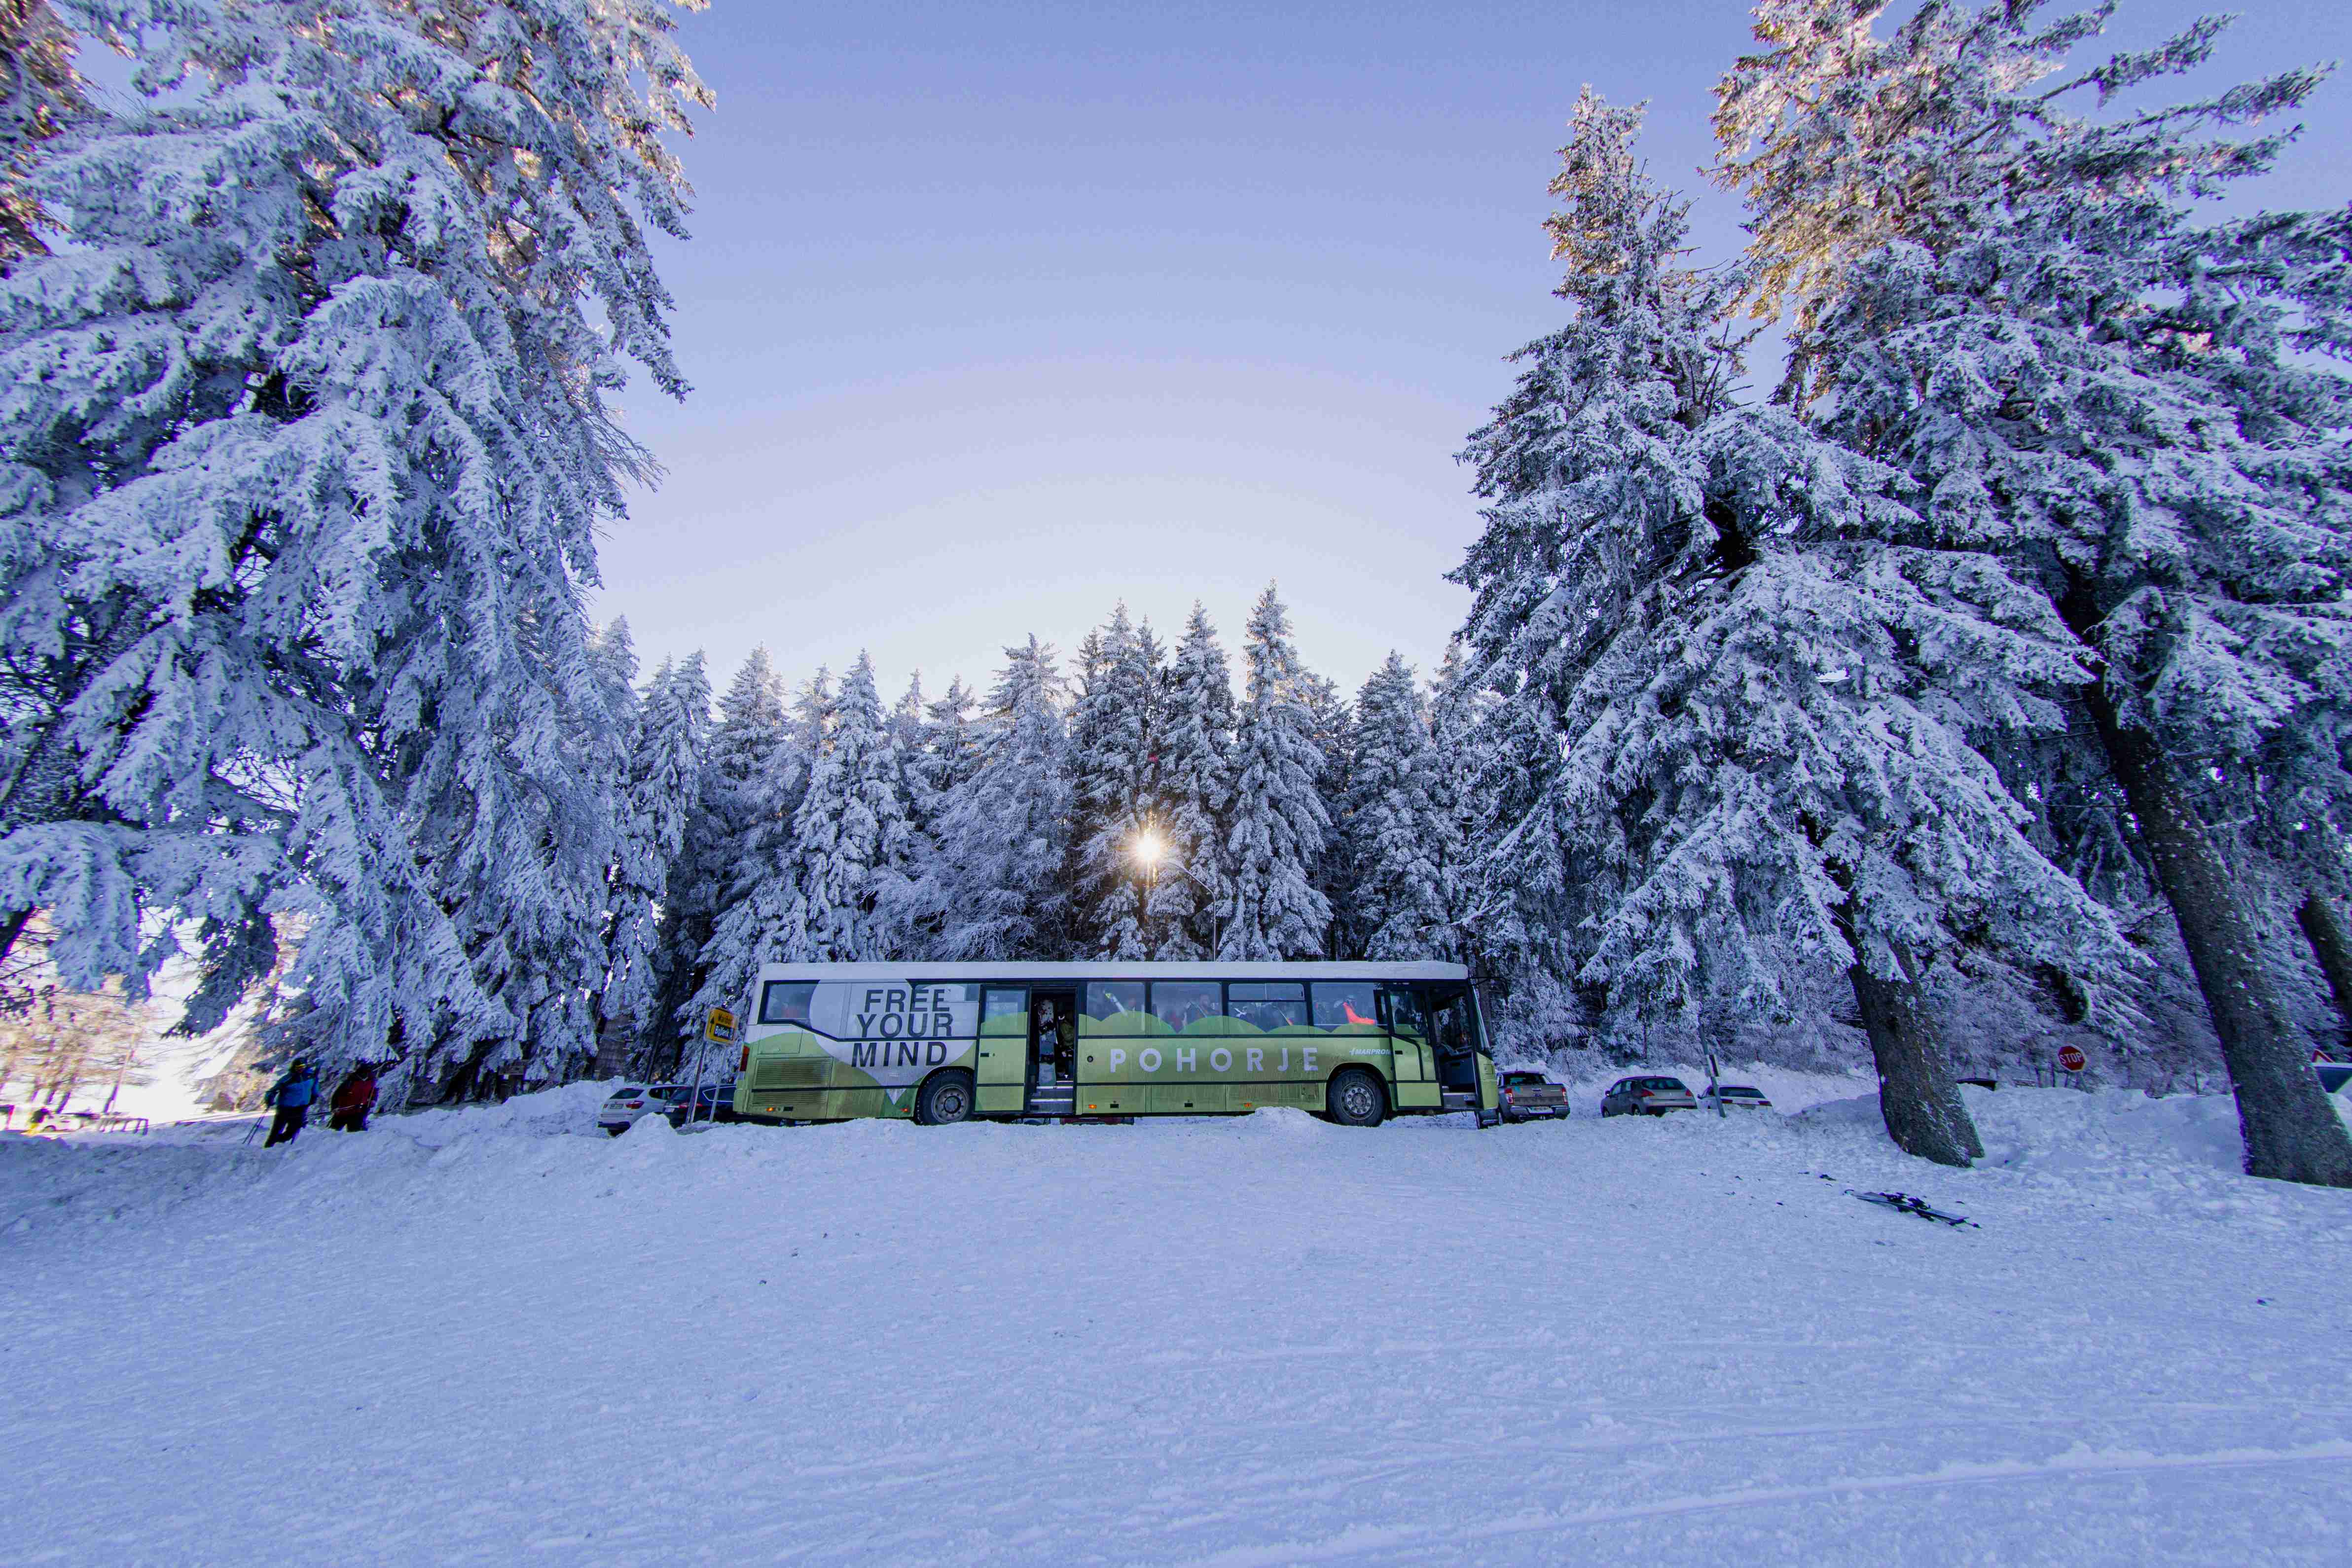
x=998, y=313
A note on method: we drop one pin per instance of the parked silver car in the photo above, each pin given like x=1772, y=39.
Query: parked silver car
x=630, y=1100
x=1646, y=1097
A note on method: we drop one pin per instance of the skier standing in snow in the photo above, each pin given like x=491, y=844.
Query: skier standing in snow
x=348, y=1111
x=292, y=1095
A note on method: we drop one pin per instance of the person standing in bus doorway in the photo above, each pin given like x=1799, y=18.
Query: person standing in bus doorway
x=348, y=1111
x=1047, y=1043
x=291, y=1095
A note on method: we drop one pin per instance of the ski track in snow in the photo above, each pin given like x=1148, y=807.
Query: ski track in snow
x=462, y=1338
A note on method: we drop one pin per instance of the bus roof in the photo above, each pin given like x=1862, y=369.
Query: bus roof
x=1112, y=969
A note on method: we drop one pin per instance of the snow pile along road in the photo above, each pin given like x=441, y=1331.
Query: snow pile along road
x=459, y=1338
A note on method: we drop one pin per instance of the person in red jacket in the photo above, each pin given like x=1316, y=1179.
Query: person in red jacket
x=348, y=1111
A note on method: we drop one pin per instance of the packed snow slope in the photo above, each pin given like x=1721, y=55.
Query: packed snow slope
x=484, y=1337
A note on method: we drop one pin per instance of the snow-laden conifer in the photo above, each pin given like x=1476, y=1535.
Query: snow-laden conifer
x=1741, y=700
x=1195, y=767
x=852, y=838
x=613, y=665
x=2017, y=313
x=1274, y=820
x=950, y=744
x=995, y=888
x=1114, y=732
x=1403, y=841
x=738, y=848
x=661, y=779
x=1331, y=726
x=298, y=577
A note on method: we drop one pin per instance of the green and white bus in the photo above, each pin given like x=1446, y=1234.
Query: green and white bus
x=947, y=1042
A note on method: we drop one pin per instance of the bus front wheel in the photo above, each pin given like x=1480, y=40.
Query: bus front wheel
x=945, y=1097
x=1354, y=1098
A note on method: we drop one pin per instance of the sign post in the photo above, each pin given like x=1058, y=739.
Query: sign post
x=717, y=1029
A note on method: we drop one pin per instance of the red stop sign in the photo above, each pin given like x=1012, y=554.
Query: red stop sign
x=2071, y=1058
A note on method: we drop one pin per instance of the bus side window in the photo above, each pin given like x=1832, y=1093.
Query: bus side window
x=786, y=1001
x=1450, y=1016
x=1003, y=1011
x=1405, y=1015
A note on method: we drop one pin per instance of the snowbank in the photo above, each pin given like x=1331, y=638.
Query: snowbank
x=547, y=1112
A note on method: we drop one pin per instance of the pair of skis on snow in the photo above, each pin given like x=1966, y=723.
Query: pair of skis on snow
x=1904, y=1203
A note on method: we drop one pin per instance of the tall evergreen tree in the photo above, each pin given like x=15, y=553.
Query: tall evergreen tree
x=951, y=749
x=1404, y=840
x=738, y=845
x=1195, y=771
x=996, y=888
x=1331, y=726
x=2017, y=312
x=1114, y=790
x=294, y=591
x=1741, y=701
x=660, y=782
x=1274, y=822
x=852, y=838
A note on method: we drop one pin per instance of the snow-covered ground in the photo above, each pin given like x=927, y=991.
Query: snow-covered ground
x=477, y=1337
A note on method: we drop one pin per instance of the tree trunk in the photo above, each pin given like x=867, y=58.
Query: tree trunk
x=12, y=925
x=1916, y=1093
x=2323, y=923
x=2291, y=1131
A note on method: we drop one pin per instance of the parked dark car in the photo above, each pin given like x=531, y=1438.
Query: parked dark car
x=1532, y=1097
x=717, y=1104
x=1647, y=1097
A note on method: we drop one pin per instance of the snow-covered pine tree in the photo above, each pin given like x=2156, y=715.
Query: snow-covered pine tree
x=951, y=749
x=301, y=578
x=612, y=665
x=2016, y=310
x=1113, y=732
x=994, y=888
x=1195, y=770
x=661, y=779
x=1331, y=726
x=1404, y=845
x=738, y=848
x=815, y=708
x=1274, y=822
x=852, y=838
x=909, y=727
x=1742, y=701
x=39, y=94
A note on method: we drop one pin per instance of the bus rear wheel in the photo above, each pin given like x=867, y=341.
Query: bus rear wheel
x=1354, y=1098
x=945, y=1097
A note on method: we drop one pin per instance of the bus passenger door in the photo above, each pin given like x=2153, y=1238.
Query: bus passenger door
x=1002, y=1076
x=1457, y=1056
x=1416, y=1085
x=1054, y=1053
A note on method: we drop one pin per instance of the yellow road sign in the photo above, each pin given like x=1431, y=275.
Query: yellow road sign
x=719, y=1026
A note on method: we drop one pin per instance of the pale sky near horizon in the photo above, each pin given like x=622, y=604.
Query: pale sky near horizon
x=998, y=313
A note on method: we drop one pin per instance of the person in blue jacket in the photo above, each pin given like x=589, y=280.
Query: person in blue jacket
x=293, y=1094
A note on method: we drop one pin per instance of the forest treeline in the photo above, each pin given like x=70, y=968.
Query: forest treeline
x=1979, y=686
